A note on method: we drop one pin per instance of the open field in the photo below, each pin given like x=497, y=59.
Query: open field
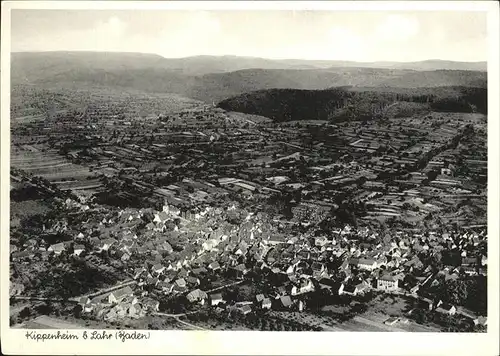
x=46, y=322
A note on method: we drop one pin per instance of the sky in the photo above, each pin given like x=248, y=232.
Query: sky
x=278, y=34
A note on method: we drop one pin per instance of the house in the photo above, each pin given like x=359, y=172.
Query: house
x=387, y=282
x=318, y=268
x=181, y=282
x=266, y=303
x=125, y=256
x=84, y=301
x=346, y=289
x=484, y=260
x=321, y=241
x=199, y=271
x=149, y=304
x=446, y=171
x=118, y=295
x=426, y=302
x=361, y=288
x=414, y=289
x=138, y=272
x=469, y=270
x=481, y=320
x=152, y=281
x=367, y=264
x=158, y=268
x=160, y=217
x=214, y=266
x=193, y=281
x=57, y=248
x=78, y=249
x=111, y=316
x=216, y=299
x=469, y=261
x=135, y=311
x=197, y=295
x=391, y=321
x=351, y=289
x=86, y=304
x=259, y=298
x=130, y=300
x=106, y=244
x=304, y=286
x=444, y=308
x=165, y=247
x=245, y=309
x=302, y=305
x=327, y=283
x=286, y=301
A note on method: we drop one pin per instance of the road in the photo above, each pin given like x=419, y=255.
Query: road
x=41, y=299
x=75, y=299
x=125, y=283
x=224, y=286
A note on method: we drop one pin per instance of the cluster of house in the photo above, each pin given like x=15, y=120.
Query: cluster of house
x=118, y=304
x=348, y=262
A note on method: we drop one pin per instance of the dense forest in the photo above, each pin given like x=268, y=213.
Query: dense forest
x=345, y=103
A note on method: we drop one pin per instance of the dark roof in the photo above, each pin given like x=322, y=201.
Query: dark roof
x=366, y=261
x=327, y=282
x=349, y=288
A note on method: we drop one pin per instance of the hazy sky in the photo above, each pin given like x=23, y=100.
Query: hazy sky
x=342, y=35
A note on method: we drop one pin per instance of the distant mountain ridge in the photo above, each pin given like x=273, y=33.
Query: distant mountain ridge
x=204, y=64
x=212, y=79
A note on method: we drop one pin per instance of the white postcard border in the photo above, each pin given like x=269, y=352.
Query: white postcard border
x=14, y=341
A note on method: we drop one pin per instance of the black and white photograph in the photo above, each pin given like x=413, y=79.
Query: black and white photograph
x=285, y=170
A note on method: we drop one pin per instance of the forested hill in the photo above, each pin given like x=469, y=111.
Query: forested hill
x=341, y=104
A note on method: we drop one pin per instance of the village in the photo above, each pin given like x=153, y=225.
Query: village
x=207, y=212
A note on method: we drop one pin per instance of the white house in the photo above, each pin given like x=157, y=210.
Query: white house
x=387, y=282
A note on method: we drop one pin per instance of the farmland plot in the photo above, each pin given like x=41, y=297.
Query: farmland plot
x=53, y=167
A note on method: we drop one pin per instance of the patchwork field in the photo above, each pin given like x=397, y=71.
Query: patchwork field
x=41, y=161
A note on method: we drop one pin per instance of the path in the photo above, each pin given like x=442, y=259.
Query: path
x=189, y=324
x=177, y=318
x=175, y=315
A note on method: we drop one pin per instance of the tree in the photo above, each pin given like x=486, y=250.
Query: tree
x=77, y=311
x=360, y=181
x=420, y=316
x=25, y=313
x=432, y=175
x=457, y=291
